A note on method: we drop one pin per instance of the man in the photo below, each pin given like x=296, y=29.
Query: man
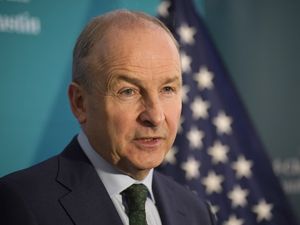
x=126, y=95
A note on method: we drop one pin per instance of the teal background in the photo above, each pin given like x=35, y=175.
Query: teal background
x=259, y=41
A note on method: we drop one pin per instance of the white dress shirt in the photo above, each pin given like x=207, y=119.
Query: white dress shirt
x=115, y=182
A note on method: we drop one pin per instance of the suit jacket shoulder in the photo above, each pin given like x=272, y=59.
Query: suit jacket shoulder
x=62, y=190
x=25, y=191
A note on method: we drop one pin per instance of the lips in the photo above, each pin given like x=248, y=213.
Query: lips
x=148, y=142
x=148, y=139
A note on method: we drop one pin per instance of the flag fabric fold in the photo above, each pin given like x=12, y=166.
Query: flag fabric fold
x=217, y=152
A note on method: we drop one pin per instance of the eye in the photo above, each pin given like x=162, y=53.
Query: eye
x=127, y=92
x=168, y=90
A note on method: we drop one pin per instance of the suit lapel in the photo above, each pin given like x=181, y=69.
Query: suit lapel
x=88, y=202
x=169, y=208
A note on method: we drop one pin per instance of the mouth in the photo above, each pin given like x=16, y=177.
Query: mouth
x=148, y=138
x=148, y=142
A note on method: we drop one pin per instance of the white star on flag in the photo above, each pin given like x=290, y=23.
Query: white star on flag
x=191, y=168
x=163, y=8
x=204, y=78
x=184, y=91
x=233, y=220
x=186, y=34
x=218, y=152
x=213, y=182
x=180, y=124
x=199, y=108
x=238, y=196
x=195, y=137
x=185, y=62
x=170, y=157
x=242, y=167
x=263, y=210
x=223, y=123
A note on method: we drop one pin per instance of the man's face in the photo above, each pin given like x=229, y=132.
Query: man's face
x=132, y=120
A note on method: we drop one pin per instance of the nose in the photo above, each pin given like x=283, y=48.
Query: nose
x=153, y=113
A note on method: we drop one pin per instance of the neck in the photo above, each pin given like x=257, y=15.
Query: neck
x=137, y=174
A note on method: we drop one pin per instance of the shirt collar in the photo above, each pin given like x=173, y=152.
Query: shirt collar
x=113, y=179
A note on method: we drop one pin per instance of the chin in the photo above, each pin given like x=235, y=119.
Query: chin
x=144, y=165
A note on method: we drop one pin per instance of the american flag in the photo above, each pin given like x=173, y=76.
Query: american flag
x=217, y=152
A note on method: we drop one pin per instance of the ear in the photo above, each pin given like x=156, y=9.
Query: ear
x=77, y=102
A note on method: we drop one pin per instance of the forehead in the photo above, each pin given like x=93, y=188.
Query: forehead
x=140, y=48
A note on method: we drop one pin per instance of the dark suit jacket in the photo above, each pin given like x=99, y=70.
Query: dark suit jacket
x=66, y=190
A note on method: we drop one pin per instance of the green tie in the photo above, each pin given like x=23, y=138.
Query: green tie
x=136, y=196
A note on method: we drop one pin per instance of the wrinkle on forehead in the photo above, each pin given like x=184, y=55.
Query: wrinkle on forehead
x=145, y=75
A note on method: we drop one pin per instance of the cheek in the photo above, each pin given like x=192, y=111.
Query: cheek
x=172, y=113
x=121, y=121
x=120, y=124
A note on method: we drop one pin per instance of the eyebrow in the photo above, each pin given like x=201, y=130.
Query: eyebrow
x=139, y=82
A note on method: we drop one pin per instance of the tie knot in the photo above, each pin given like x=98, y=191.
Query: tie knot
x=136, y=196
